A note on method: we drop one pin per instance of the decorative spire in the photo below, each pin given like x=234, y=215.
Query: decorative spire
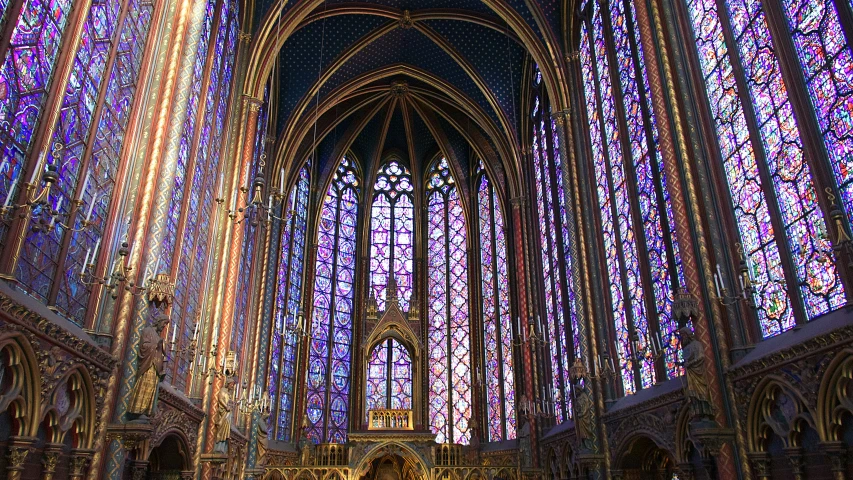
x=391, y=291
x=371, y=304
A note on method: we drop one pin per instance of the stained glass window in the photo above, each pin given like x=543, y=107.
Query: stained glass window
x=497, y=320
x=449, y=342
x=389, y=376
x=288, y=302
x=85, y=162
x=391, y=230
x=329, y=356
x=827, y=65
x=25, y=75
x=560, y=318
x=641, y=249
x=762, y=151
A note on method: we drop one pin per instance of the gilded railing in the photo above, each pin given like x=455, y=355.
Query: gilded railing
x=389, y=419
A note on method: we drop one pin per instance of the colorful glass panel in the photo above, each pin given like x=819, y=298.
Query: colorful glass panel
x=287, y=308
x=24, y=79
x=329, y=353
x=497, y=324
x=389, y=377
x=448, y=323
x=392, y=223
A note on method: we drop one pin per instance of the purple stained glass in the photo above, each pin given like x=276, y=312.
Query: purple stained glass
x=497, y=324
x=792, y=185
x=448, y=322
x=389, y=377
x=25, y=76
x=329, y=355
x=608, y=228
x=287, y=304
x=392, y=218
x=634, y=94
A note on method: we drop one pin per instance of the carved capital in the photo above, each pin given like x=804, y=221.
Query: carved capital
x=517, y=202
x=760, y=465
x=78, y=464
x=573, y=56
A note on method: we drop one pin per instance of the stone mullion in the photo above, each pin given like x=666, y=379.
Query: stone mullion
x=583, y=223
x=129, y=311
x=300, y=401
x=355, y=413
x=685, y=205
x=475, y=319
x=40, y=141
x=495, y=206
x=815, y=153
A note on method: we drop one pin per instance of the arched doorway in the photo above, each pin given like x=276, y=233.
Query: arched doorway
x=393, y=466
x=170, y=460
x=644, y=459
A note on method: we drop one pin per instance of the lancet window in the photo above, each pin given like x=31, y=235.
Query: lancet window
x=329, y=357
x=94, y=110
x=449, y=331
x=560, y=314
x=763, y=117
x=391, y=233
x=288, y=299
x=497, y=319
x=389, y=376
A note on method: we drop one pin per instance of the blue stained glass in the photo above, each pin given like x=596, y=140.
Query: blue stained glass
x=329, y=354
x=287, y=306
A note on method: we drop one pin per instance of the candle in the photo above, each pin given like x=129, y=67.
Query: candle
x=195, y=332
x=85, y=184
x=91, y=207
x=174, y=333
x=221, y=185
x=717, y=284
x=9, y=194
x=37, y=169
x=59, y=204
x=95, y=251
x=281, y=182
x=85, y=261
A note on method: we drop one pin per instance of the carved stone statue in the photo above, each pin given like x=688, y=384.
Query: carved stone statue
x=263, y=439
x=698, y=393
x=584, y=416
x=224, y=406
x=306, y=446
x=152, y=356
x=474, y=444
x=524, y=452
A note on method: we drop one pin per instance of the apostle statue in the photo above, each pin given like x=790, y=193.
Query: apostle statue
x=584, y=415
x=224, y=406
x=152, y=356
x=306, y=446
x=698, y=393
x=263, y=439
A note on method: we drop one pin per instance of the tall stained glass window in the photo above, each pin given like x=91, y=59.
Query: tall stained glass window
x=764, y=160
x=448, y=322
x=642, y=260
x=329, y=357
x=288, y=301
x=391, y=230
x=560, y=322
x=94, y=111
x=497, y=319
x=200, y=187
x=389, y=376
x=25, y=76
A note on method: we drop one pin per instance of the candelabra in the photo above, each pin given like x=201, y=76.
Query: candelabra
x=652, y=348
x=207, y=366
x=255, y=212
x=747, y=291
x=257, y=401
x=529, y=334
x=298, y=327
x=603, y=369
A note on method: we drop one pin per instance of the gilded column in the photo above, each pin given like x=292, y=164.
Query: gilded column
x=130, y=314
x=234, y=250
x=685, y=205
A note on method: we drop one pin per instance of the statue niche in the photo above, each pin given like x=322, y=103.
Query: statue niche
x=391, y=356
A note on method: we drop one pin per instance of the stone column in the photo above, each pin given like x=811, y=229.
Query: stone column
x=18, y=449
x=685, y=471
x=760, y=465
x=139, y=469
x=77, y=465
x=795, y=457
x=49, y=460
x=836, y=453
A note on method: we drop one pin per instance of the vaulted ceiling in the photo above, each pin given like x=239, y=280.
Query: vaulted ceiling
x=408, y=77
